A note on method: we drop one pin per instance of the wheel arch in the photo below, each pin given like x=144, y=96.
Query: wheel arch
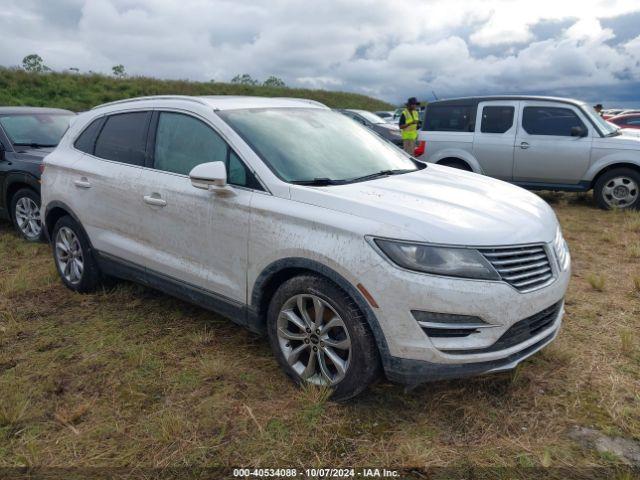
x=14, y=183
x=456, y=154
x=446, y=160
x=282, y=270
x=613, y=166
x=53, y=212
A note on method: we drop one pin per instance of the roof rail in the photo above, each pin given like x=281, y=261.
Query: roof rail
x=312, y=102
x=153, y=97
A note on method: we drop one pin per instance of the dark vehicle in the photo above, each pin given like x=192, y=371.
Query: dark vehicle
x=27, y=135
x=372, y=121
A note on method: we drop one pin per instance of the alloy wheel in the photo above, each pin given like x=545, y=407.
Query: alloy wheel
x=314, y=339
x=620, y=192
x=69, y=255
x=27, y=215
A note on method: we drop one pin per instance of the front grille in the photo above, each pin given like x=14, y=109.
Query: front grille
x=519, y=332
x=525, y=268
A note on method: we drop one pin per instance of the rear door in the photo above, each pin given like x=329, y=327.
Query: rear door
x=195, y=236
x=545, y=151
x=106, y=183
x=494, y=138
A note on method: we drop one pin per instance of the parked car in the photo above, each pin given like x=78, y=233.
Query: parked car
x=535, y=142
x=386, y=116
x=372, y=121
x=27, y=134
x=349, y=254
x=629, y=120
x=611, y=112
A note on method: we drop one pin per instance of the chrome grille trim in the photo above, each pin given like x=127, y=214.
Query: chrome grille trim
x=525, y=267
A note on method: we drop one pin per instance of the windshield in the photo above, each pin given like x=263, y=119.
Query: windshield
x=605, y=127
x=371, y=117
x=37, y=129
x=303, y=145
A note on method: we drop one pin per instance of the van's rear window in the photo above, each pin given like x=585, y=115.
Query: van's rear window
x=449, y=118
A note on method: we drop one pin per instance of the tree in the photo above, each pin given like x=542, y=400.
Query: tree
x=244, y=79
x=34, y=63
x=118, y=71
x=273, y=81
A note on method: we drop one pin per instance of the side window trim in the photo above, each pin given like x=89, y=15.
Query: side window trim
x=586, y=123
x=151, y=140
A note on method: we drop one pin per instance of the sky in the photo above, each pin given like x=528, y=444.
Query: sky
x=389, y=49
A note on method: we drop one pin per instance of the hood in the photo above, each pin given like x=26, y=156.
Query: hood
x=626, y=141
x=630, y=132
x=32, y=154
x=442, y=205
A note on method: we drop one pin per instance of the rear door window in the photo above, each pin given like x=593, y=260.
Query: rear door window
x=86, y=142
x=497, y=119
x=554, y=121
x=449, y=118
x=124, y=138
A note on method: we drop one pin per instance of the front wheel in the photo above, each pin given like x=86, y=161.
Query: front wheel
x=319, y=336
x=25, y=212
x=618, y=188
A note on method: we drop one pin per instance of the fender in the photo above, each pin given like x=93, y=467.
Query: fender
x=258, y=294
x=48, y=224
x=624, y=158
x=456, y=153
x=20, y=177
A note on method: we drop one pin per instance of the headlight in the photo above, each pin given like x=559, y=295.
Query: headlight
x=448, y=261
x=561, y=250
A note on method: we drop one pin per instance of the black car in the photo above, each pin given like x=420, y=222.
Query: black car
x=27, y=135
x=388, y=131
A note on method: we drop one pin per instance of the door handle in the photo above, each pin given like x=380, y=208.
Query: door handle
x=82, y=183
x=155, y=200
x=524, y=145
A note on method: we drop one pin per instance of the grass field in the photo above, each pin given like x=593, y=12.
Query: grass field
x=131, y=377
x=81, y=92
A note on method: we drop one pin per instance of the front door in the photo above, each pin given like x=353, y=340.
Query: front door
x=545, y=150
x=197, y=237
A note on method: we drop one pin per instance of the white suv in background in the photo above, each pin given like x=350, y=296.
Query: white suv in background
x=293, y=220
x=540, y=143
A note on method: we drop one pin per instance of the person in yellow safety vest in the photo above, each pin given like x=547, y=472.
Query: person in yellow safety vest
x=409, y=125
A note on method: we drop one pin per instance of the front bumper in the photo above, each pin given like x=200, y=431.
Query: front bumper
x=411, y=356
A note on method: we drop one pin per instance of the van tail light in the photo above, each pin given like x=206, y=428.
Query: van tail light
x=419, y=150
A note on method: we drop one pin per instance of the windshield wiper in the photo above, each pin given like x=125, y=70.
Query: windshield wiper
x=381, y=173
x=318, y=182
x=34, y=145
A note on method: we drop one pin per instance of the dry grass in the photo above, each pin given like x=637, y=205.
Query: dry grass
x=134, y=378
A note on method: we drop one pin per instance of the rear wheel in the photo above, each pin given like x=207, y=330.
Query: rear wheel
x=73, y=257
x=618, y=188
x=455, y=163
x=25, y=213
x=319, y=336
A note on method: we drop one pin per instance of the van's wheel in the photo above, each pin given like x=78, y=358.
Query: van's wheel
x=618, y=188
x=73, y=257
x=319, y=336
x=25, y=213
x=459, y=164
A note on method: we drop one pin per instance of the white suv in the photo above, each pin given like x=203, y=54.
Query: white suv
x=293, y=220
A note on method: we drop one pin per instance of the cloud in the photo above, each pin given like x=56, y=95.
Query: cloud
x=390, y=49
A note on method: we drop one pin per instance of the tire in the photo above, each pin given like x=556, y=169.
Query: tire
x=361, y=361
x=70, y=245
x=459, y=164
x=25, y=214
x=618, y=188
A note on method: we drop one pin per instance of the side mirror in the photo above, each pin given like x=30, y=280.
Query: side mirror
x=209, y=176
x=579, y=132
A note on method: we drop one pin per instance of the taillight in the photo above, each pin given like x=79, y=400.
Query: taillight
x=419, y=150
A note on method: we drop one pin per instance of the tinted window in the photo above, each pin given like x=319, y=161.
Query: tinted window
x=449, y=118
x=123, y=138
x=550, y=121
x=182, y=142
x=86, y=142
x=633, y=121
x=496, y=119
